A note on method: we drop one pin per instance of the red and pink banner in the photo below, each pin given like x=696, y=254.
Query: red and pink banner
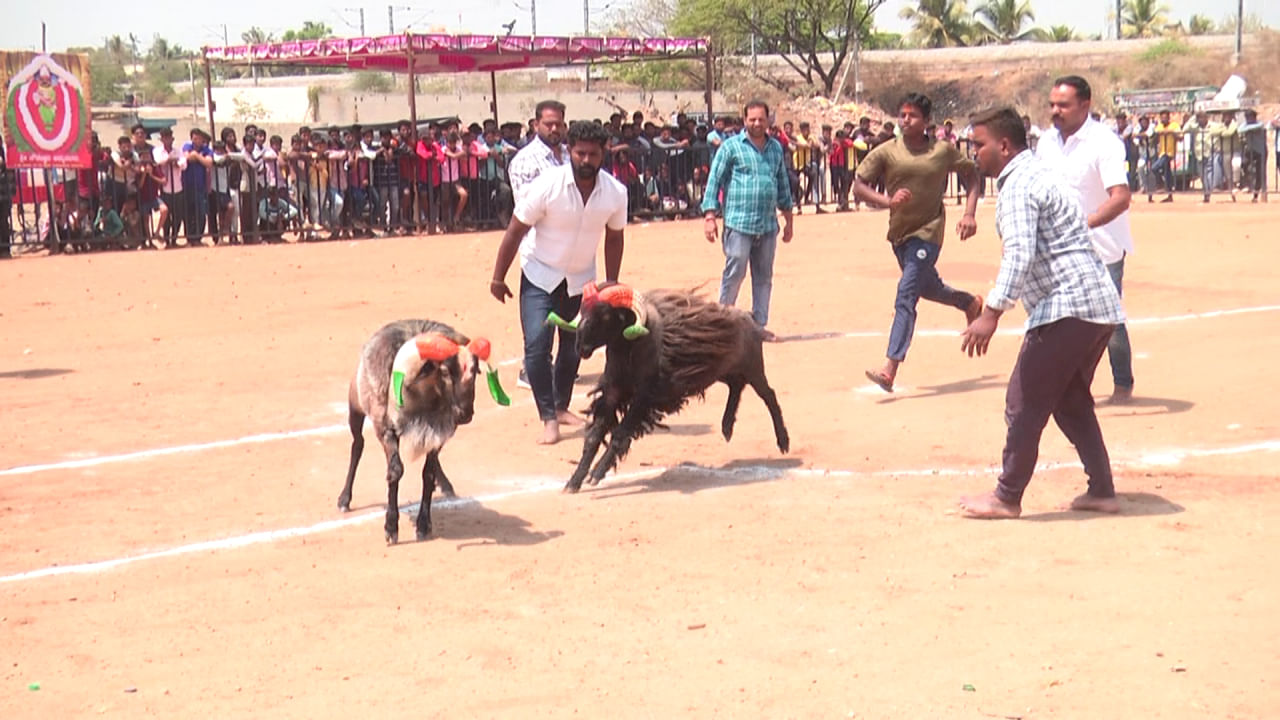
x=46, y=110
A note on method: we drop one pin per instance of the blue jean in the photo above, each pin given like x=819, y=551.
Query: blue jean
x=1118, y=351
x=917, y=258
x=551, y=392
x=756, y=251
x=197, y=212
x=1162, y=169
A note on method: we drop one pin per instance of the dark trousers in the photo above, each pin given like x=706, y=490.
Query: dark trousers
x=1051, y=378
x=551, y=391
x=918, y=259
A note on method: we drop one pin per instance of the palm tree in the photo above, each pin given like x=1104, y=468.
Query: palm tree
x=256, y=36
x=1002, y=21
x=1143, y=18
x=116, y=48
x=1061, y=33
x=939, y=23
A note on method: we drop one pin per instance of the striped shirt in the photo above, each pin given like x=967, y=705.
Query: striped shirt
x=532, y=159
x=1048, y=260
x=754, y=182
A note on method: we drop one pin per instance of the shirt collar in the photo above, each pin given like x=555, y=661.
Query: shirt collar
x=1018, y=161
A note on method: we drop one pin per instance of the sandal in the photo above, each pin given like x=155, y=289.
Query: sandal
x=879, y=378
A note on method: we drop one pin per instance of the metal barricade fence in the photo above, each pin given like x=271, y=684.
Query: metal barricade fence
x=398, y=190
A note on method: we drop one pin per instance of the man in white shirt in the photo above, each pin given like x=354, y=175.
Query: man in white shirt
x=570, y=208
x=1090, y=159
x=172, y=163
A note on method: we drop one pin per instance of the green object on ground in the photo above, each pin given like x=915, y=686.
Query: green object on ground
x=969, y=688
x=33, y=686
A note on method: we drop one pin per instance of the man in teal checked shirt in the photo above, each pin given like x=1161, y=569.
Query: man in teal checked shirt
x=750, y=171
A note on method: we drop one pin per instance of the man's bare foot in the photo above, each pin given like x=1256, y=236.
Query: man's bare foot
x=567, y=418
x=1089, y=503
x=1121, y=396
x=988, y=507
x=550, y=433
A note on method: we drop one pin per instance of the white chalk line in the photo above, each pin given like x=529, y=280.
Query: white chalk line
x=543, y=484
x=294, y=434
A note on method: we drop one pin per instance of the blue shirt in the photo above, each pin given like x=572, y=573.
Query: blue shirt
x=754, y=182
x=196, y=176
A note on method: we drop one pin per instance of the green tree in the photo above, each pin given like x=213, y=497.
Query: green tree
x=1143, y=18
x=310, y=30
x=1006, y=21
x=1200, y=25
x=1061, y=33
x=939, y=23
x=814, y=37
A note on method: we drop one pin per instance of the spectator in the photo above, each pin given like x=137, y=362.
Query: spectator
x=274, y=214
x=838, y=160
x=1253, y=145
x=108, y=223
x=171, y=164
x=1166, y=134
x=195, y=180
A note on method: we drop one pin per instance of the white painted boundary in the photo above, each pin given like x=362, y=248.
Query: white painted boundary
x=544, y=484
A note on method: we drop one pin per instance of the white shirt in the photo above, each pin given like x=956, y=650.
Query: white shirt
x=1092, y=160
x=172, y=173
x=563, y=249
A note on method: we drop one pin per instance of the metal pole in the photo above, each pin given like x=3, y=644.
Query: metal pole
x=362, y=22
x=753, y=40
x=533, y=16
x=391, y=20
x=1118, y=10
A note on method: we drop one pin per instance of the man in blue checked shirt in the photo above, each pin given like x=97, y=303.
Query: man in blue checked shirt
x=1072, y=306
x=749, y=170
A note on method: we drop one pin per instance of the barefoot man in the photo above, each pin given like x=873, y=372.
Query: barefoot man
x=915, y=169
x=1072, y=306
x=570, y=207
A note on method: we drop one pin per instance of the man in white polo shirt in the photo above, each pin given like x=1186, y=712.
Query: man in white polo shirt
x=569, y=207
x=1090, y=158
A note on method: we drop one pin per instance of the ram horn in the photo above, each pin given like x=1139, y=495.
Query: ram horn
x=419, y=349
x=622, y=296
x=589, y=297
x=481, y=348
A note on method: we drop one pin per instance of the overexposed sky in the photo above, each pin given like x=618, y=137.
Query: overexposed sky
x=88, y=22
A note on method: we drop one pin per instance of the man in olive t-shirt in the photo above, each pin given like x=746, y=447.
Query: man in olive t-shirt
x=915, y=169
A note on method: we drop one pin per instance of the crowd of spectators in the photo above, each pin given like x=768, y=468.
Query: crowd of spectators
x=246, y=186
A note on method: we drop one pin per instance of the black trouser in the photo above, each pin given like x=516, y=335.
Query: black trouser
x=6, y=208
x=1051, y=378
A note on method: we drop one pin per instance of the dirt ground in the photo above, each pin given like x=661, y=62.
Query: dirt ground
x=190, y=404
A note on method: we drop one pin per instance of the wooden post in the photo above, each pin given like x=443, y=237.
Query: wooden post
x=208, y=94
x=710, y=84
x=493, y=90
x=413, y=120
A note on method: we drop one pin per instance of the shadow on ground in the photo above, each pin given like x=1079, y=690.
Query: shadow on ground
x=34, y=373
x=985, y=382
x=1138, y=406
x=469, y=521
x=1135, y=504
x=689, y=478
